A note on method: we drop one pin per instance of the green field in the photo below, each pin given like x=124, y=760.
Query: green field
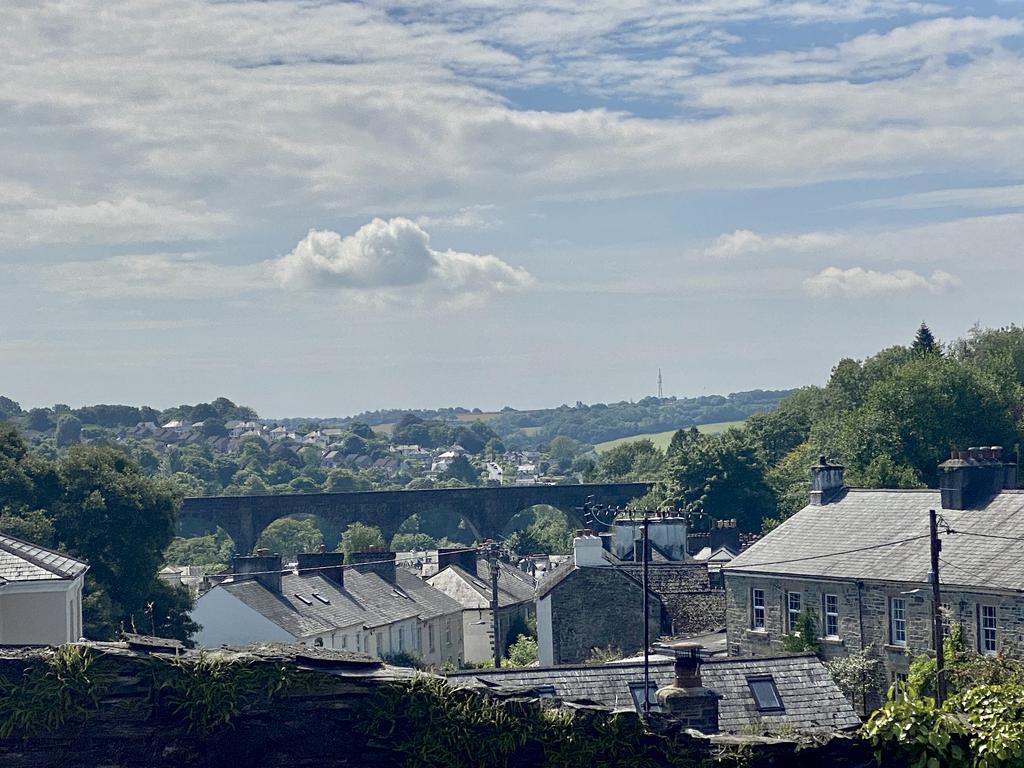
x=662, y=439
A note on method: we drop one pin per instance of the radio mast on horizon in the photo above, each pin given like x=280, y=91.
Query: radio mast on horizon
x=661, y=393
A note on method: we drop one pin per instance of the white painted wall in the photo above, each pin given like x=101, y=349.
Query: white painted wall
x=545, y=633
x=226, y=620
x=47, y=612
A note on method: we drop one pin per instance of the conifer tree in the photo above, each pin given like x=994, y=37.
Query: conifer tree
x=924, y=341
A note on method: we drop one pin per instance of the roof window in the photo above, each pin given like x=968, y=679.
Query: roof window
x=321, y=598
x=636, y=690
x=766, y=695
x=303, y=599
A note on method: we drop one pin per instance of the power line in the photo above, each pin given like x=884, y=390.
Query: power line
x=827, y=554
x=985, y=535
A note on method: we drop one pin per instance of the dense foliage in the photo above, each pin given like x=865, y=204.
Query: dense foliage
x=96, y=504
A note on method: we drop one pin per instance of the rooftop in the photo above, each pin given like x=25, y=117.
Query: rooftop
x=810, y=699
x=21, y=561
x=882, y=535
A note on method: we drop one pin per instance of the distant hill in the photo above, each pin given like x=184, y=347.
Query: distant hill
x=596, y=423
x=662, y=439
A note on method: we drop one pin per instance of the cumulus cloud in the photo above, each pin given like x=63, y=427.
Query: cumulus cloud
x=390, y=257
x=743, y=242
x=858, y=281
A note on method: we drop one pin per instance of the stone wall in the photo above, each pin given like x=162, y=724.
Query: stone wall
x=324, y=724
x=596, y=608
x=863, y=617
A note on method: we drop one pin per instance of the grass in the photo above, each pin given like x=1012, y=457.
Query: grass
x=662, y=439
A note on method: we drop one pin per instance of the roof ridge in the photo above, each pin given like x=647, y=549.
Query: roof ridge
x=34, y=559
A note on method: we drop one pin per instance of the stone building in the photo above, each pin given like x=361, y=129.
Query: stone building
x=590, y=604
x=859, y=560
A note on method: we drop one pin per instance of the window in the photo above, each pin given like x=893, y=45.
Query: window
x=946, y=612
x=636, y=690
x=401, y=639
x=544, y=692
x=757, y=606
x=448, y=630
x=766, y=695
x=319, y=642
x=831, y=616
x=380, y=644
x=430, y=637
x=987, y=629
x=898, y=621
x=793, y=608
x=344, y=641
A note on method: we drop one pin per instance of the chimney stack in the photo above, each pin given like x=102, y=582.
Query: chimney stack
x=827, y=482
x=262, y=567
x=587, y=550
x=724, y=533
x=464, y=557
x=686, y=700
x=326, y=564
x=971, y=477
x=381, y=563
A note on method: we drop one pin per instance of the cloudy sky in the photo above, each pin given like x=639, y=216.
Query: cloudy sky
x=320, y=207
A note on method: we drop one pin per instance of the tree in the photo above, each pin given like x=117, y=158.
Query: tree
x=210, y=551
x=723, y=476
x=120, y=522
x=633, y=460
x=69, y=430
x=924, y=341
x=359, y=537
x=461, y=469
x=289, y=536
x=9, y=408
x=523, y=652
x=39, y=420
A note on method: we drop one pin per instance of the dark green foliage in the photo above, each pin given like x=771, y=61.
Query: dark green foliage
x=8, y=408
x=461, y=469
x=69, y=430
x=289, y=536
x=805, y=638
x=634, y=460
x=721, y=475
x=924, y=341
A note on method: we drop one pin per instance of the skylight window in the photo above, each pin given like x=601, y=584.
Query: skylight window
x=303, y=599
x=636, y=690
x=766, y=695
x=321, y=598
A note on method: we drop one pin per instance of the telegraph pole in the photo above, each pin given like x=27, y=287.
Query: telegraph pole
x=492, y=562
x=933, y=577
x=647, y=629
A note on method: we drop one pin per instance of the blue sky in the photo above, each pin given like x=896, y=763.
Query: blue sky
x=318, y=208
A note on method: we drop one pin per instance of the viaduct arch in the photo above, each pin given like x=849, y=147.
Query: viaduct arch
x=485, y=510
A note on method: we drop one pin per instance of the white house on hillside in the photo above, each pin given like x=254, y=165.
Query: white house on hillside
x=40, y=595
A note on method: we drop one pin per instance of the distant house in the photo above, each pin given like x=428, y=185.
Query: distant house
x=859, y=562
x=591, y=604
x=466, y=579
x=495, y=474
x=370, y=607
x=777, y=694
x=40, y=594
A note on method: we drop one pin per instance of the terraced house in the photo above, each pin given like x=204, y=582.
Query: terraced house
x=860, y=561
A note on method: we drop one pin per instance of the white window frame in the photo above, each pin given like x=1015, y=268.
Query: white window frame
x=793, y=614
x=831, y=616
x=988, y=630
x=757, y=615
x=898, y=621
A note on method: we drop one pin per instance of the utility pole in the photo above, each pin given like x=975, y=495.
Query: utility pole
x=647, y=629
x=933, y=577
x=492, y=562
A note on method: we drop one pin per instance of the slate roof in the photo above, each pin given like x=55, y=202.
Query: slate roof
x=868, y=518
x=811, y=700
x=366, y=600
x=21, y=561
x=432, y=602
x=514, y=586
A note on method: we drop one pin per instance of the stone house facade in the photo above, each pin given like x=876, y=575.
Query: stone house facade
x=860, y=561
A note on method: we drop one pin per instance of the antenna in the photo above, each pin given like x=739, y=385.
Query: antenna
x=661, y=393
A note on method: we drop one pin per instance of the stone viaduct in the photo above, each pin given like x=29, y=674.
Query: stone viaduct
x=486, y=511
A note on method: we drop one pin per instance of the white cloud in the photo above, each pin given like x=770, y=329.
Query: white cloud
x=857, y=281
x=1001, y=196
x=470, y=217
x=391, y=257
x=743, y=242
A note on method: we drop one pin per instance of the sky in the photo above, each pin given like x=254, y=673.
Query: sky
x=316, y=208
